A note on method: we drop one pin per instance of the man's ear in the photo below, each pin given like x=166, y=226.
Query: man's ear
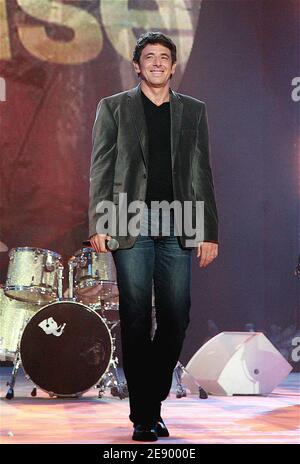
x=136, y=67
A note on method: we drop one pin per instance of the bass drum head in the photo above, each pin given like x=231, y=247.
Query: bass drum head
x=65, y=348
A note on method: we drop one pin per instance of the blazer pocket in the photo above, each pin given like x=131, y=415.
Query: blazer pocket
x=189, y=135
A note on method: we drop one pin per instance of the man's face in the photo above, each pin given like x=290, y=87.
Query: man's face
x=155, y=65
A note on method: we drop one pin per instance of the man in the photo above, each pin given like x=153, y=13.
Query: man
x=152, y=143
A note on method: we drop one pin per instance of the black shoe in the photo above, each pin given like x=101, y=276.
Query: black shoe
x=161, y=429
x=144, y=432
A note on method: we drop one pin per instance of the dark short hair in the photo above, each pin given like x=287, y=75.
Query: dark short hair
x=154, y=38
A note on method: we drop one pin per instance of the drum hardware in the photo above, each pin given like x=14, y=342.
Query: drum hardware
x=111, y=379
x=181, y=391
x=16, y=365
x=60, y=271
x=34, y=390
x=49, y=264
x=109, y=311
x=82, y=262
x=89, y=262
x=12, y=381
x=72, y=263
x=111, y=325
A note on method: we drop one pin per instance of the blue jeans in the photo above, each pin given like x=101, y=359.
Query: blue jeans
x=149, y=363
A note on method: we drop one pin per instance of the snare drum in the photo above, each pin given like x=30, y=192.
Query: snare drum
x=13, y=317
x=32, y=275
x=66, y=348
x=95, y=276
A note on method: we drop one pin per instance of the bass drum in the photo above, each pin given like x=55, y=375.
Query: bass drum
x=66, y=348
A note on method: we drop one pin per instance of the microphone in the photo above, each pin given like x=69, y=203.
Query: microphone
x=110, y=245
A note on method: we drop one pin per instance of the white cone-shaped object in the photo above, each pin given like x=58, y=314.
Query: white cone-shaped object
x=236, y=363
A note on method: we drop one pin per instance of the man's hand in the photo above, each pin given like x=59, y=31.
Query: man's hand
x=98, y=242
x=207, y=252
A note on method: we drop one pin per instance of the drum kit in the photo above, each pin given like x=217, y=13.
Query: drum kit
x=64, y=342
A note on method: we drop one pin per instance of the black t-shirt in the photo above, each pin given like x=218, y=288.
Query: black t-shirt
x=159, y=185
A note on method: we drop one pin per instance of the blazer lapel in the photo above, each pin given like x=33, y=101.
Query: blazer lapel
x=176, y=108
x=138, y=117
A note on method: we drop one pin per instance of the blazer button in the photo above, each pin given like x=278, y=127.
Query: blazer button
x=145, y=176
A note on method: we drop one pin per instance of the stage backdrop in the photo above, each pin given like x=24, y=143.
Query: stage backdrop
x=59, y=58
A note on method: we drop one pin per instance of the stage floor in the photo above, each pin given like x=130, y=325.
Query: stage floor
x=89, y=420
